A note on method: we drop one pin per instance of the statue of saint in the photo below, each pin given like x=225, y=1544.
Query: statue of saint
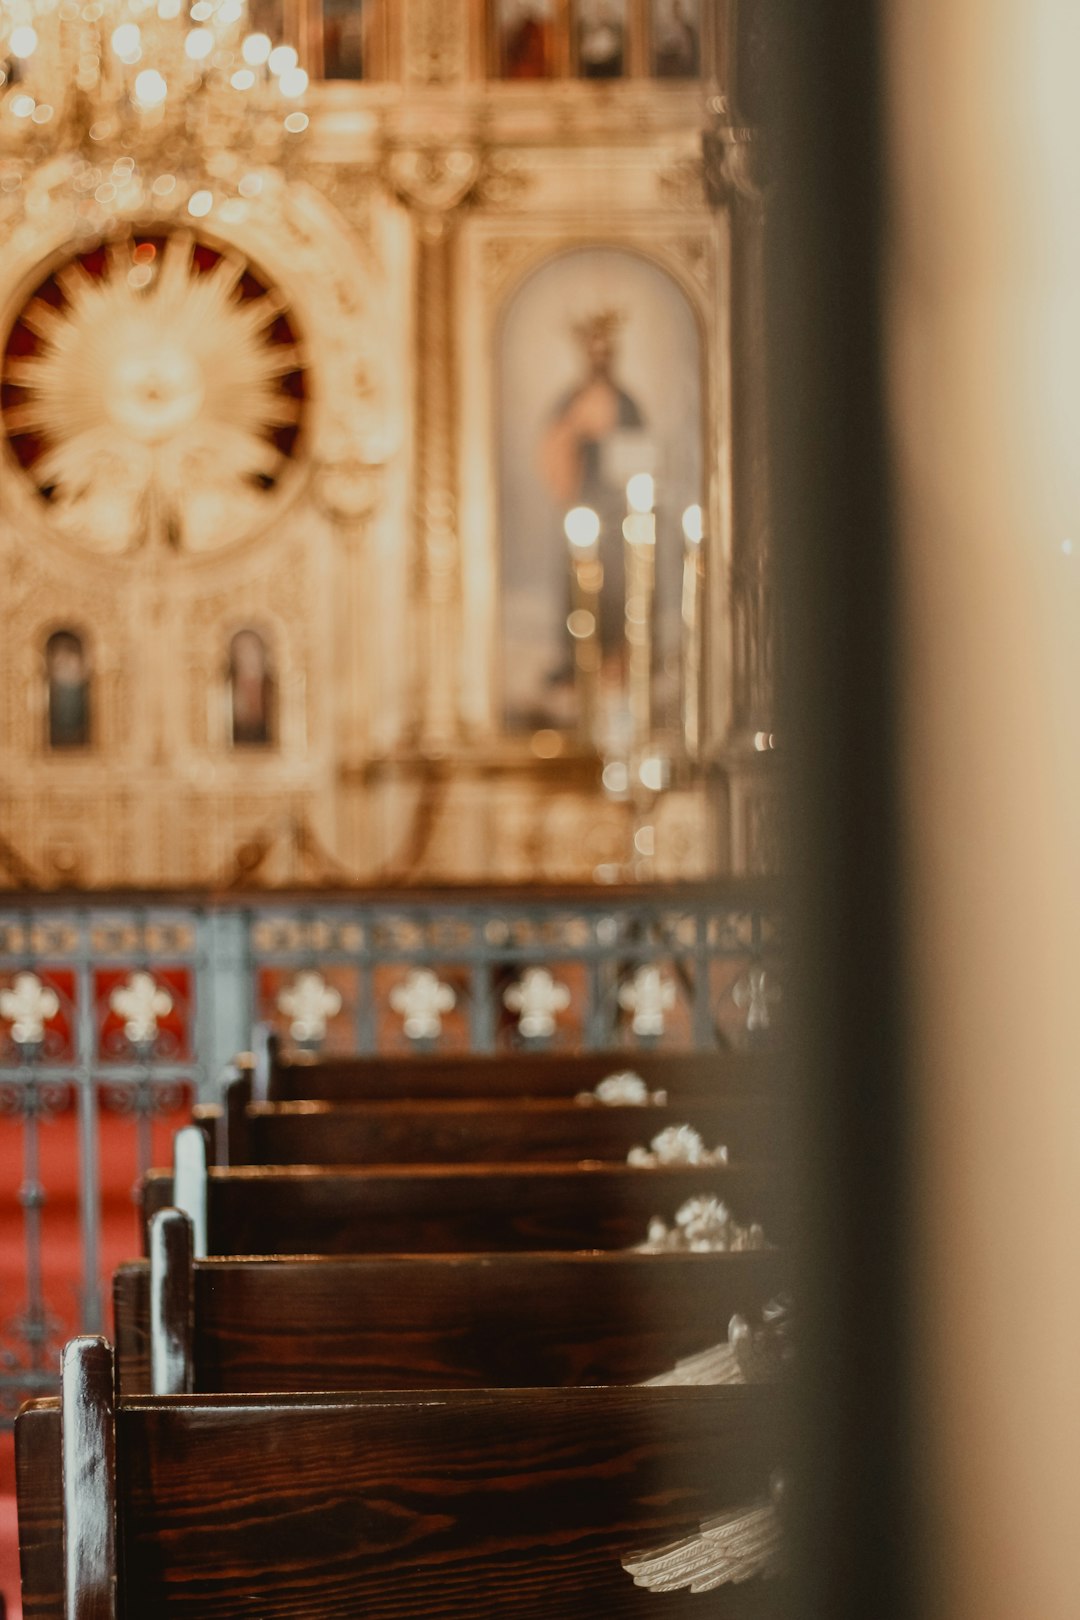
x=575, y=463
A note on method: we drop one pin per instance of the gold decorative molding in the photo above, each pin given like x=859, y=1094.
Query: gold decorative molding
x=682, y=183
x=734, y=165
x=694, y=253
x=434, y=179
x=436, y=41
x=503, y=257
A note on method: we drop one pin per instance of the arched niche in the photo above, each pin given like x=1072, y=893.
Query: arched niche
x=600, y=368
x=67, y=679
x=251, y=690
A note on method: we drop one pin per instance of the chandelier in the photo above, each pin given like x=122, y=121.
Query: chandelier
x=129, y=109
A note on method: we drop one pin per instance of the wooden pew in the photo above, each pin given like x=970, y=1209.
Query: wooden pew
x=282, y=1076
x=473, y=1131
x=431, y=1209
x=420, y=1322
x=468, y=1506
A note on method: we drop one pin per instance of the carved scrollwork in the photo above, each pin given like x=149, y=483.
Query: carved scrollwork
x=682, y=183
x=624, y=1090
x=734, y=165
x=436, y=41
x=678, y=1144
x=434, y=179
x=702, y=1226
x=349, y=491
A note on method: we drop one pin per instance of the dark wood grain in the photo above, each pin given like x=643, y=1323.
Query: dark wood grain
x=491, y=1132
x=39, y=1484
x=431, y=1322
x=422, y=1209
x=459, y=1507
x=513, y=1074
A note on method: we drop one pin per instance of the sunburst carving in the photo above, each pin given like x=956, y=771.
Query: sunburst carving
x=154, y=392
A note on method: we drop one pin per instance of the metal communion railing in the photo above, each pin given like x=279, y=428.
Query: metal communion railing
x=116, y=1012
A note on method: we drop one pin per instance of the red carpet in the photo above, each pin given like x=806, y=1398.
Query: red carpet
x=62, y=1253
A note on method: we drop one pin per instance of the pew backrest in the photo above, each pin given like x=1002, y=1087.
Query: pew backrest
x=457, y=1506
x=284, y=1076
x=421, y=1322
x=425, y=1209
x=482, y=1132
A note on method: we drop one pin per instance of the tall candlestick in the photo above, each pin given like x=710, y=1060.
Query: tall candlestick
x=692, y=606
x=639, y=532
x=582, y=527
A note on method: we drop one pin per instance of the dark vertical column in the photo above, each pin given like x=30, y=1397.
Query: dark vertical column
x=835, y=554
x=436, y=472
x=752, y=606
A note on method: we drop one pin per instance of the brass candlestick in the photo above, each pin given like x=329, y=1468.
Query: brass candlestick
x=639, y=532
x=582, y=528
x=693, y=595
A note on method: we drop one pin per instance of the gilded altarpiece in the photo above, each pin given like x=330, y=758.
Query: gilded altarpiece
x=422, y=207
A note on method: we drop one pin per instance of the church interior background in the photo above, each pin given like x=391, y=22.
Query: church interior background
x=386, y=633
x=288, y=461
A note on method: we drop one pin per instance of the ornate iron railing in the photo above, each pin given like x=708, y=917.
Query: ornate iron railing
x=123, y=1008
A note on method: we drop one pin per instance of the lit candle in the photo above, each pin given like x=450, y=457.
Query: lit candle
x=639, y=532
x=693, y=527
x=582, y=529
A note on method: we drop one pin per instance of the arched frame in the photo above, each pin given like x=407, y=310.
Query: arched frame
x=500, y=257
x=57, y=252
x=70, y=637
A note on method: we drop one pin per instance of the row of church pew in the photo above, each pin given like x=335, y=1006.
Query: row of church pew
x=413, y=1339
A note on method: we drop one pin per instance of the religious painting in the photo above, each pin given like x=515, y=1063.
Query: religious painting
x=676, y=39
x=346, y=26
x=67, y=680
x=251, y=692
x=602, y=38
x=525, y=38
x=600, y=398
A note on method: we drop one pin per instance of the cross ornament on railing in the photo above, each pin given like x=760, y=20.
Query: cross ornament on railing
x=309, y=1003
x=647, y=997
x=421, y=1001
x=141, y=1002
x=757, y=994
x=27, y=1007
x=537, y=998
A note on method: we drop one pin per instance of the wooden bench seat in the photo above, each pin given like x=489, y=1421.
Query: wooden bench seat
x=456, y=1209
x=422, y=1322
x=481, y=1131
x=442, y=1506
